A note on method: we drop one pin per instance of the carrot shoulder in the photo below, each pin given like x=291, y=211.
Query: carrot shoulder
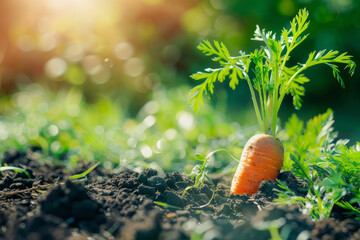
x=261, y=160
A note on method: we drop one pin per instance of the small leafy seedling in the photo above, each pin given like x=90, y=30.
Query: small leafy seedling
x=199, y=173
x=270, y=79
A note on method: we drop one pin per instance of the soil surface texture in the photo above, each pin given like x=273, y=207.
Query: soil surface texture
x=130, y=205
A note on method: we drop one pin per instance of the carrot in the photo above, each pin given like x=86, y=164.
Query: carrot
x=270, y=79
x=261, y=160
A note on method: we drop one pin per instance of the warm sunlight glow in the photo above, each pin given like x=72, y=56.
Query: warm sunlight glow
x=88, y=41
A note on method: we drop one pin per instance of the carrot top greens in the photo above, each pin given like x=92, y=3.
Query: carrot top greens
x=266, y=71
x=327, y=170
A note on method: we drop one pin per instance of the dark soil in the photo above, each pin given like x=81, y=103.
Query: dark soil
x=129, y=205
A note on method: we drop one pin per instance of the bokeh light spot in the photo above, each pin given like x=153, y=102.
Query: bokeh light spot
x=47, y=41
x=195, y=20
x=149, y=121
x=132, y=142
x=55, y=146
x=99, y=130
x=146, y=151
x=53, y=130
x=92, y=64
x=185, y=120
x=55, y=67
x=151, y=107
x=160, y=144
x=134, y=67
x=74, y=52
x=170, y=134
x=123, y=51
x=108, y=165
x=23, y=100
x=129, y=126
x=64, y=125
x=101, y=77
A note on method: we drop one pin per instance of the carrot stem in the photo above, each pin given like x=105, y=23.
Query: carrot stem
x=275, y=101
x=262, y=106
x=253, y=97
x=266, y=111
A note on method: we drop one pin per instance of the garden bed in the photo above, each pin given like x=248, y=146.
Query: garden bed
x=125, y=204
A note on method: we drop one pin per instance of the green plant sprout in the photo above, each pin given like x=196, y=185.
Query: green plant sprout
x=329, y=169
x=78, y=177
x=162, y=204
x=43, y=188
x=265, y=70
x=15, y=169
x=199, y=172
x=82, y=175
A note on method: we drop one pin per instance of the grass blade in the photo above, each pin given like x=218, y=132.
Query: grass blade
x=82, y=175
x=162, y=204
x=15, y=169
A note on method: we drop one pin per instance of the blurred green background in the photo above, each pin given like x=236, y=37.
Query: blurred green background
x=108, y=80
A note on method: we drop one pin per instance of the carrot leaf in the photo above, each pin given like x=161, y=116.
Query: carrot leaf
x=271, y=78
x=329, y=168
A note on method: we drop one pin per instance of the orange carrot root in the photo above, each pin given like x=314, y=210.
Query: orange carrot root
x=261, y=160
